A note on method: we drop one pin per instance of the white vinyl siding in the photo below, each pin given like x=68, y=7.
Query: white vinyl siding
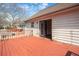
x=65, y=27
x=36, y=29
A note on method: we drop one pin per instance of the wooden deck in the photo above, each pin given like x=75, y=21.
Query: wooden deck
x=35, y=46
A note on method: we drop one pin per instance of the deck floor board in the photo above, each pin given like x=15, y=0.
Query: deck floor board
x=35, y=46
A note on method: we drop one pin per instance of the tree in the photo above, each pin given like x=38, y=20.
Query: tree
x=2, y=19
x=12, y=12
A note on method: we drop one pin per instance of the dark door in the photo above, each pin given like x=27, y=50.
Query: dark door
x=42, y=28
x=46, y=28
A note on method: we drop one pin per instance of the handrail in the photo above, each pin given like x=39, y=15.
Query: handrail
x=10, y=35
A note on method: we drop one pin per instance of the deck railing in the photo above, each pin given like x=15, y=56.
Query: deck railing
x=4, y=35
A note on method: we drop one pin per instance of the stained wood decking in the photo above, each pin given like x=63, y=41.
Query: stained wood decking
x=34, y=46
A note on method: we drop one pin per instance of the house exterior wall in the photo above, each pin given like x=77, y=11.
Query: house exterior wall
x=35, y=29
x=28, y=25
x=65, y=26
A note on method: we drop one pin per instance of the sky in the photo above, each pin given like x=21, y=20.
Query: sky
x=32, y=8
x=22, y=11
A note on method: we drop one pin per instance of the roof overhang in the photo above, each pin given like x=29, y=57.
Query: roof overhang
x=52, y=10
